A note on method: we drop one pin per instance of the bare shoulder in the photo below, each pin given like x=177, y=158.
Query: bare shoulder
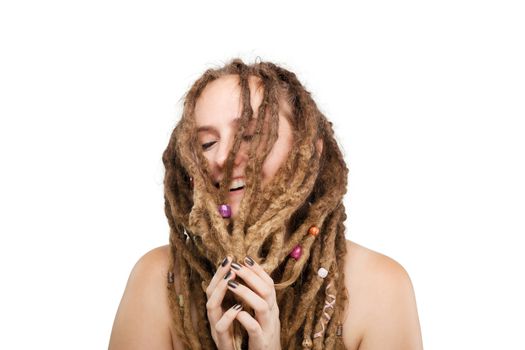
x=382, y=310
x=143, y=319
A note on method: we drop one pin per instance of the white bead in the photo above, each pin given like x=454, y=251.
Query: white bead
x=322, y=272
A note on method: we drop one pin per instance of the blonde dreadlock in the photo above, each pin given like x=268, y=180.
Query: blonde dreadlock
x=307, y=191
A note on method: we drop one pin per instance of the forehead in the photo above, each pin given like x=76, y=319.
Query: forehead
x=220, y=100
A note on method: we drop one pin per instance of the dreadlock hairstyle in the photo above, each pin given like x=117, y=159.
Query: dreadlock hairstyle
x=305, y=196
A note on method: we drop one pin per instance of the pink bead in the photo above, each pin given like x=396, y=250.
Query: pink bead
x=296, y=252
x=225, y=210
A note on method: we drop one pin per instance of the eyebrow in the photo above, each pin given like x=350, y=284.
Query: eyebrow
x=212, y=128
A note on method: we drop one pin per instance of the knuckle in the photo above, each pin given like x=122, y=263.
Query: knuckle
x=219, y=328
x=277, y=313
x=262, y=308
x=253, y=329
x=210, y=304
x=266, y=293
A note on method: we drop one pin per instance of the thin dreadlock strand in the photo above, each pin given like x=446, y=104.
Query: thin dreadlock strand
x=171, y=212
x=318, y=318
x=277, y=243
x=294, y=343
x=293, y=268
x=311, y=286
x=177, y=241
x=287, y=301
x=342, y=295
x=330, y=297
x=277, y=185
x=269, y=99
x=273, y=190
x=338, y=278
x=254, y=165
x=246, y=115
x=188, y=325
x=203, y=206
x=203, y=325
x=177, y=316
x=252, y=182
x=328, y=241
x=331, y=327
x=308, y=327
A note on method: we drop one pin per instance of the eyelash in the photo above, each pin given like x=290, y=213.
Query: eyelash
x=207, y=145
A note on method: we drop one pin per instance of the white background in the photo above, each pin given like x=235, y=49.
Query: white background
x=427, y=99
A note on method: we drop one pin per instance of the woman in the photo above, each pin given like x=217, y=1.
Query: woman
x=258, y=257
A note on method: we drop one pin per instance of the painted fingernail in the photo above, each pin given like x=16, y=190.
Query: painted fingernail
x=232, y=284
x=236, y=266
x=237, y=307
x=249, y=261
x=228, y=274
x=224, y=262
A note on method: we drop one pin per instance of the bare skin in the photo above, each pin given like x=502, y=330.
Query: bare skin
x=382, y=311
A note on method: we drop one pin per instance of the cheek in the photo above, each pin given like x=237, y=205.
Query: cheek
x=275, y=159
x=207, y=156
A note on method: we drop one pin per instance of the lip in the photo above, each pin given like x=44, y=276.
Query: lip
x=233, y=178
x=236, y=193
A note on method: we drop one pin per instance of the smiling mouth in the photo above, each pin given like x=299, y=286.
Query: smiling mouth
x=236, y=185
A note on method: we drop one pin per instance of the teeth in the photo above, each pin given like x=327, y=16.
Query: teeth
x=237, y=183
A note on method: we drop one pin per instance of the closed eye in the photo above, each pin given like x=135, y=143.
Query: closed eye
x=208, y=145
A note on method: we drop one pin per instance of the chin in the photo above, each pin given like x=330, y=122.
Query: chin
x=235, y=209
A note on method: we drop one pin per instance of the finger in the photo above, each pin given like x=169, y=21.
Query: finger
x=256, y=283
x=214, y=303
x=223, y=325
x=252, y=264
x=249, y=323
x=258, y=304
x=223, y=268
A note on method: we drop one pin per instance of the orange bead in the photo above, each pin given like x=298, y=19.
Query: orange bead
x=314, y=231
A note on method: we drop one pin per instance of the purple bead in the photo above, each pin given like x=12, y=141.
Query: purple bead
x=296, y=252
x=225, y=210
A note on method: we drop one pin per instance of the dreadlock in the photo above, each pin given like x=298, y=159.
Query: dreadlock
x=306, y=192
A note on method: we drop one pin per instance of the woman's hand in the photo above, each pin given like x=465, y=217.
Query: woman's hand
x=220, y=321
x=259, y=293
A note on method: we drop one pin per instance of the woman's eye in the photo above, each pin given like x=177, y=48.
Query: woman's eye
x=247, y=137
x=207, y=145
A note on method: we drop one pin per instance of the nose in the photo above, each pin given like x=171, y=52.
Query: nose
x=223, y=151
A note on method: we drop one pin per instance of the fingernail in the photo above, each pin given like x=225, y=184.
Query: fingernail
x=237, y=307
x=224, y=262
x=236, y=266
x=228, y=274
x=233, y=284
x=249, y=261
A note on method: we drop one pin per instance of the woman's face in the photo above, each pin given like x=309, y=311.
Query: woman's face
x=217, y=111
